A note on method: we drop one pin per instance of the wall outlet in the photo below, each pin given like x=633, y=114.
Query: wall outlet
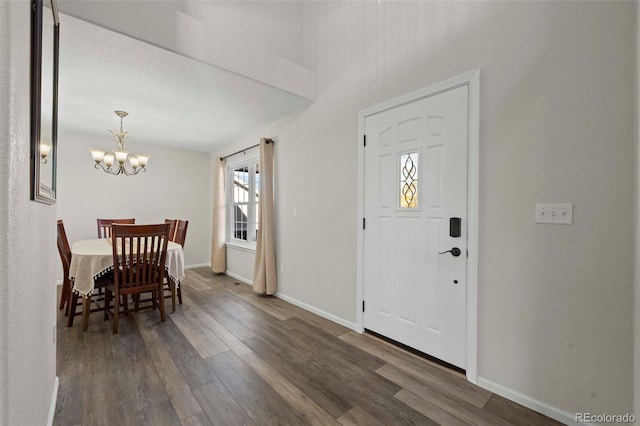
x=559, y=214
x=295, y=212
x=282, y=268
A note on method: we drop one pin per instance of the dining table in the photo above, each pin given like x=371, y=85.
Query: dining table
x=93, y=258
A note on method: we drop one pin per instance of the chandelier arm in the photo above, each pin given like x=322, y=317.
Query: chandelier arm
x=126, y=172
x=120, y=170
x=102, y=166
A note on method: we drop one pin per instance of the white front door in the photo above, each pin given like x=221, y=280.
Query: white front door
x=415, y=169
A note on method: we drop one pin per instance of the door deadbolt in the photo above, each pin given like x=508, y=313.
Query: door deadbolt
x=455, y=252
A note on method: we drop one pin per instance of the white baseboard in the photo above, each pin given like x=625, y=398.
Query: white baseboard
x=343, y=322
x=541, y=407
x=305, y=306
x=197, y=265
x=239, y=278
x=59, y=282
x=54, y=399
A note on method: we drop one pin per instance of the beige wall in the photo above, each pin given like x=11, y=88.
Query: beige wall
x=556, y=125
x=27, y=241
x=240, y=264
x=238, y=36
x=276, y=26
x=176, y=185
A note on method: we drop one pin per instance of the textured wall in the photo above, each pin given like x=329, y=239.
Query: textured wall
x=556, y=125
x=27, y=240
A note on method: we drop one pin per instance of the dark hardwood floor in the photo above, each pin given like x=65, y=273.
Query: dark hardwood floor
x=230, y=357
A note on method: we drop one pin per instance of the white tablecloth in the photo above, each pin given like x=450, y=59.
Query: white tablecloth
x=93, y=258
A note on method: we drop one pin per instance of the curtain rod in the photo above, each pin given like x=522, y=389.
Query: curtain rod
x=246, y=149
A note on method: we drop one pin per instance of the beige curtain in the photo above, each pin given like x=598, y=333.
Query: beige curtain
x=264, y=270
x=218, y=248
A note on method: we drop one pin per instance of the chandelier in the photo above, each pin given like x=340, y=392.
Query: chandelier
x=105, y=160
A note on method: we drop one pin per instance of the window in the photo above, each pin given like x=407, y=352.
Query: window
x=244, y=198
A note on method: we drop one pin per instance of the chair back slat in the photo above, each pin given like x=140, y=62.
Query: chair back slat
x=172, y=230
x=104, y=226
x=181, y=232
x=140, y=252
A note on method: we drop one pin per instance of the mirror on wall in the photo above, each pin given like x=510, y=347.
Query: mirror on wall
x=45, y=32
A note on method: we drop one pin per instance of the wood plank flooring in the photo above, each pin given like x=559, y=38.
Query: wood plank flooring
x=230, y=357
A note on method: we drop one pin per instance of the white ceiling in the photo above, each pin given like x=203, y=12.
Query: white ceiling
x=172, y=100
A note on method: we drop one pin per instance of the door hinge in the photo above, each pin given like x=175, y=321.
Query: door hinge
x=365, y=140
x=363, y=306
x=364, y=223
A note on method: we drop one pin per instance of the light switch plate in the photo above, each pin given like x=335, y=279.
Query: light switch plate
x=559, y=214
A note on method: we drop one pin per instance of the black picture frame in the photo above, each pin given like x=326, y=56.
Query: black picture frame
x=45, y=40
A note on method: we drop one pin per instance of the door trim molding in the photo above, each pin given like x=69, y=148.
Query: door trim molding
x=472, y=80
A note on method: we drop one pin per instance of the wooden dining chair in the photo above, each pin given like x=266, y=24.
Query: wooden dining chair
x=139, y=255
x=179, y=236
x=104, y=226
x=69, y=299
x=172, y=229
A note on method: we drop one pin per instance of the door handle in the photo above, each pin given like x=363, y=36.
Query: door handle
x=455, y=252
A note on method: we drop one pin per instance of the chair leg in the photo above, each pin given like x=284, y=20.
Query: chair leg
x=160, y=295
x=72, y=309
x=107, y=303
x=66, y=290
x=116, y=313
x=64, y=296
x=179, y=294
x=86, y=309
x=172, y=287
x=67, y=307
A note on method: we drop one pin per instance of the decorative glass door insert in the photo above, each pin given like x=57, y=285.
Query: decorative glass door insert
x=409, y=180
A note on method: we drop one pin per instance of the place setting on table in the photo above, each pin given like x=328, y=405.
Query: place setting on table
x=149, y=258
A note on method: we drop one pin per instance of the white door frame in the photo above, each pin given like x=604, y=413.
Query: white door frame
x=471, y=79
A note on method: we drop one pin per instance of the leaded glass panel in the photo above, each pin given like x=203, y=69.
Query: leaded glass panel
x=409, y=180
